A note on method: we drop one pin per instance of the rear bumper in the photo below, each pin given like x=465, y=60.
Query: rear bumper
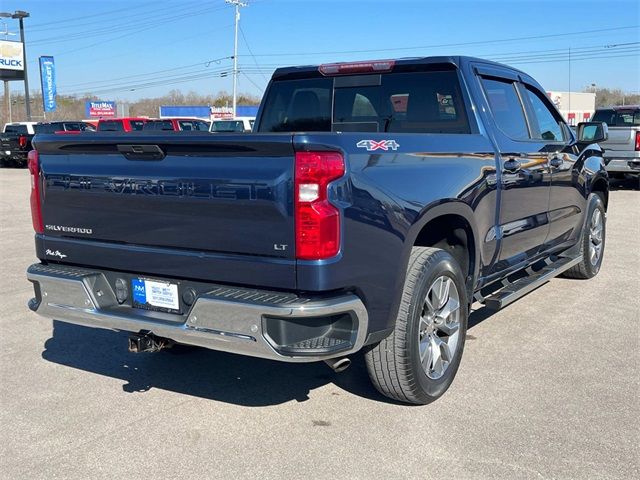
x=278, y=326
x=622, y=161
x=17, y=156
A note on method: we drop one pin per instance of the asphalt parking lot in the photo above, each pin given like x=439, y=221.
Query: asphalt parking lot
x=548, y=388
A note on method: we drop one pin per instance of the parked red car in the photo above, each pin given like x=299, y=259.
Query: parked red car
x=129, y=124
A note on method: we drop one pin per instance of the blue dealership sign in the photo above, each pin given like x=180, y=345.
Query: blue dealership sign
x=48, y=80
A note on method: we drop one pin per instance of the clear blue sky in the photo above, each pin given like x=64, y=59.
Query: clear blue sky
x=126, y=49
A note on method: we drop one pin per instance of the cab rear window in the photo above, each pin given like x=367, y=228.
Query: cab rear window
x=110, y=126
x=618, y=117
x=416, y=102
x=15, y=129
x=158, y=125
x=227, y=126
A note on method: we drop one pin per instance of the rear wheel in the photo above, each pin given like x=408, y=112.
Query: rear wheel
x=592, y=242
x=419, y=360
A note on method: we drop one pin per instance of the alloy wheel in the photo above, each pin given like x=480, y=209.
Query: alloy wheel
x=439, y=329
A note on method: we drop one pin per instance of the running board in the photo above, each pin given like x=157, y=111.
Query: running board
x=519, y=288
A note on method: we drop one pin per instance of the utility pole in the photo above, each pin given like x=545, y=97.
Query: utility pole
x=237, y=4
x=7, y=91
x=569, y=79
x=7, y=100
x=21, y=15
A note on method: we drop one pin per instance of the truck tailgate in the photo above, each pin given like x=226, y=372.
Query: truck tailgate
x=216, y=196
x=621, y=138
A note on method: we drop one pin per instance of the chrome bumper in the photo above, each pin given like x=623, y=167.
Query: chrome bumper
x=226, y=319
x=622, y=162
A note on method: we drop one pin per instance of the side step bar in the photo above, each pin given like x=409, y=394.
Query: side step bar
x=519, y=288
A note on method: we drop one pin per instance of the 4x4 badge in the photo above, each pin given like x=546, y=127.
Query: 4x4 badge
x=372, y=145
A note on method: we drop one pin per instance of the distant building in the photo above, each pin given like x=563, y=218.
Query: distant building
x=575, y=107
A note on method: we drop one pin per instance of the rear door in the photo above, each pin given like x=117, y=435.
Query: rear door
x=525, y=178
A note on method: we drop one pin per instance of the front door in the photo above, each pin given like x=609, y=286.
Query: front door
x=555, y=143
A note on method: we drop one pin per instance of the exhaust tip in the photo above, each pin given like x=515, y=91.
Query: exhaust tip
x=338, y=364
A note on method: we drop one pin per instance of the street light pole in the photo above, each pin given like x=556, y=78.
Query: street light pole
x=21, y=15
x=237, y=4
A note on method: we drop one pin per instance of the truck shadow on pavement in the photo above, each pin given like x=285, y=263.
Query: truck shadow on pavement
x=208, y=374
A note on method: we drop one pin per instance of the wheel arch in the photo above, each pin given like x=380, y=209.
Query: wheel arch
x=600, y=186
x=451, y=226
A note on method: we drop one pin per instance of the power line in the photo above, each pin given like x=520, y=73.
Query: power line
x=600, y=57
x=423, y=47
x=251, y=52
x=146, y=74
x=143, y=85
x=48, y=26
x=134, y=25
x=254, y=83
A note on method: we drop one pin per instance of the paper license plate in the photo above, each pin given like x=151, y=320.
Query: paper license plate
x=155, y=294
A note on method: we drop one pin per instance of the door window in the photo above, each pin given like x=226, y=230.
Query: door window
x=548, y=125
x=506, y=108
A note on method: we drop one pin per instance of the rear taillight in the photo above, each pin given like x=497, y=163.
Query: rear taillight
x=36, y=199
x=317, y=220
x=22, y=141
x=637, y=141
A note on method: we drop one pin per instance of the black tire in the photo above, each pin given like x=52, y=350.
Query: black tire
x=586, y=268
x=394, y=364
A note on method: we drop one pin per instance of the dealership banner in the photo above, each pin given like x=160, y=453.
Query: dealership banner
x=99, y=108
x=48, y=81
x=11, y=60
x=221, y=112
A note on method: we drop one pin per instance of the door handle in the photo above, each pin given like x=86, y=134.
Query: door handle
x=512, y=165
x=556, y=161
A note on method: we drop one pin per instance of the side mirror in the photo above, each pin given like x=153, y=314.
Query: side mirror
x=592, y=132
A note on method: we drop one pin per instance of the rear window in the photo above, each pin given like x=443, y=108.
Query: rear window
x=111, y=126
x=157, y=125
x=227, y=126
x=73, y=127
x=137, y=124
x=416, y=102
x=506, y=108
x=15, y=129
x=618, y=118
x=194, y=125
x=48, y=127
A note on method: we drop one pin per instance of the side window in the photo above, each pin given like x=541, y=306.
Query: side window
x=506, y=108
x=548, y=124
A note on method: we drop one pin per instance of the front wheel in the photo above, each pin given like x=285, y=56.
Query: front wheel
x=418, y=361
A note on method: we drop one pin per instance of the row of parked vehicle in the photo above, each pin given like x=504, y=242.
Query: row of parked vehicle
x=15, y=140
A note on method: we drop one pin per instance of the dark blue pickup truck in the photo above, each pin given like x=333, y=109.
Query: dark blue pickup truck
x=372, y=205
